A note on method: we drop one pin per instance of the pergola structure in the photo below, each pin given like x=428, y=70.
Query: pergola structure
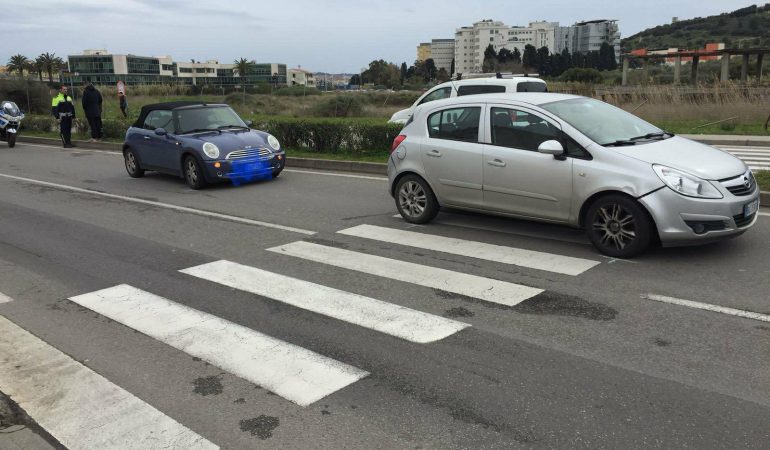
x=726, y=54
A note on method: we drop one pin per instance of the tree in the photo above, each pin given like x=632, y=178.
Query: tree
x=607, y=57
x=516, y=56
x=355, y=80
x=243, y=67
x=542, y=61
x=452, y=68
x=530, y=57
x=442, y=75
x=50, y=63
x=490, y=59
x=430, y=70
x=504, y=56
x=17, y=63
x=404, y=72
x=39, y=67
x=381, y=72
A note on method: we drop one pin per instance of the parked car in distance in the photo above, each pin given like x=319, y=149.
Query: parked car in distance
x=569, y=160
x=203, y=143
x=474, y=86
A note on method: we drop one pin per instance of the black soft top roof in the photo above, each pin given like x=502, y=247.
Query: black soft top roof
x=167, y=106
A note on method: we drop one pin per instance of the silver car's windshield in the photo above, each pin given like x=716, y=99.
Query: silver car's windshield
x=208, y=118
x=604, y=123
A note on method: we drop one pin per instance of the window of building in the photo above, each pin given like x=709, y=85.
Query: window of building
x=457, y=124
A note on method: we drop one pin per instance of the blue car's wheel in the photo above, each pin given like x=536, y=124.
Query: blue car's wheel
x=193, y=174
x=132, y=164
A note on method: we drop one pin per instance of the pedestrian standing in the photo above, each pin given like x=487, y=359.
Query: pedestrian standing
x=92, y=106
x=123, y=103
x=63, y=110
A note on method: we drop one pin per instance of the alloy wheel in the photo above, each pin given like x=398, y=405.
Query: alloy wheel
x=615, y=226
x=412, y=199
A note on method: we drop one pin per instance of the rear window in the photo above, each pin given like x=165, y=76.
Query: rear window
x=531, y=86
x=471, y=89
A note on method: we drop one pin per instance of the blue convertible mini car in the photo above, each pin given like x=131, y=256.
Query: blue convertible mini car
x=204, y=143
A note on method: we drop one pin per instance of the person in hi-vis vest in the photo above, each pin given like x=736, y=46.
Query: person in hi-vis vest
x=64, y=110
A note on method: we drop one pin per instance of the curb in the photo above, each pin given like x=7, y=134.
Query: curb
x=305, y=163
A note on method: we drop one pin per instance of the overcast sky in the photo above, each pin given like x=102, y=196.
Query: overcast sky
x=319, y=35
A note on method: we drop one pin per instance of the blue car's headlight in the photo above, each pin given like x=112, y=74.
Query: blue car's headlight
x=211, y=150
x=273, y=142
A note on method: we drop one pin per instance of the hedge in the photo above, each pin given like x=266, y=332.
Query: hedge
x=341, y=135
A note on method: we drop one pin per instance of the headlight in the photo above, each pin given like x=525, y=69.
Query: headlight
x=273, y=142
x=211, y=150
x=686, y=184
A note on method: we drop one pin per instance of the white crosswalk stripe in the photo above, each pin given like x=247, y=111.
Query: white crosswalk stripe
x=487, y=289
x=507, y=255
x=79, y=407
x=757, y=158
x=290, y=371
x=395, y=320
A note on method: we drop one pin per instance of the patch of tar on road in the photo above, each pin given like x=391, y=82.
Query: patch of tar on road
x=326, y=412
x=554, y=303
x=327, y=242
x=90, y=182
x=54, y=307
x=662, y=342
x=262, y=426
x=240, y=400
x=453, y=296
x=211, y=385
x=762, y=327
x=459, y=312
x=79, y=154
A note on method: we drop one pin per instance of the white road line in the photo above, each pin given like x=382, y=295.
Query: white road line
x=708, y=307
x=290, y=371
x=405, y=323
x=764, y=214
x=487, y=289
x=79, y=407
x=335, y=174
x=497, y=253
x=178, y=208
x=4, y=298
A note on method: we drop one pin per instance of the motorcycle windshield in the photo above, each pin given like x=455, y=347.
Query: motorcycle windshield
x=10, y=108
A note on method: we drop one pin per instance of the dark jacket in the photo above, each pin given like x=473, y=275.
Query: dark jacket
x=92, y=102
x=62, y=104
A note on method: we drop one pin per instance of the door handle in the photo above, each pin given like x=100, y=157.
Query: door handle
x=435, y=154
x=496, y=163
x=147, y=137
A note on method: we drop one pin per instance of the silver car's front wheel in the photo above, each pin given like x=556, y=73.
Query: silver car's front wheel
x=415, y=200
x=618, y=226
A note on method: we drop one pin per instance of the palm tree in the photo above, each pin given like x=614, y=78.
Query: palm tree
x=243, y=66
x=51, y=63
x=39, y=67
x=17, y=63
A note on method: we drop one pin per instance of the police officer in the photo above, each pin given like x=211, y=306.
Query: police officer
x=63, y=109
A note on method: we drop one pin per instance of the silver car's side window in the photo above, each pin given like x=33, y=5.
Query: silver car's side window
x=438, y=94
x=520, y=129
x=456, y=124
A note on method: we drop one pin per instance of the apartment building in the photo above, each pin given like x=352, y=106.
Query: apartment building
x=589, y=36
x=102, y=67
x=300, y=77
x=423, y=51
x=442, y=51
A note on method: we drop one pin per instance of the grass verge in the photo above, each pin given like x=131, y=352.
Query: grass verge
x=763, y=179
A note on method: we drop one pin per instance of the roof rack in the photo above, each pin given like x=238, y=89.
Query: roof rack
x=468, y=76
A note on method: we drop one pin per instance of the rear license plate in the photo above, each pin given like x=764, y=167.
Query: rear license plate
x=751, y=208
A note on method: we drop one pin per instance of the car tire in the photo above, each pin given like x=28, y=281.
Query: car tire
x=192, y=173
x=132, y=164
x=415, y=200
x=12, y=140
x=277, y=172
x=618, y=226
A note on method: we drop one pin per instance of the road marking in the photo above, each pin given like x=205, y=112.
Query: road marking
x=708, y=307
x=79, y=407
x=184, y=209
x=294, y=373
x=395, y=320
x=490, y=252
x=487, y=289
x=4, y=298
x=764, y=214
x=335, y=174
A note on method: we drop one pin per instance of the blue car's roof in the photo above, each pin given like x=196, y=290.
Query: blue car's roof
x=167, y=106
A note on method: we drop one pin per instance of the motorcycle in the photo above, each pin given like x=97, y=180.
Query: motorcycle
x=10, y=121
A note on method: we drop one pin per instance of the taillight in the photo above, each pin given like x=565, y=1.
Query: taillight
x=397, y=141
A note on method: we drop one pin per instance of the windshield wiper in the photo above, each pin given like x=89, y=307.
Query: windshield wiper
x=200, y=130
x=633, y=140
x=619, y=143
x=240, y=127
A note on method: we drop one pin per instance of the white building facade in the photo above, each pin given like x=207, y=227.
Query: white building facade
x=300, y=77
x=442, y=52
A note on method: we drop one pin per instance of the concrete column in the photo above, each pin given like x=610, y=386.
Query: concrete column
x=725, y=68
x=745, y=68
x=625, y=71
x=760, y=66
x=678, y=70
x=694, y=73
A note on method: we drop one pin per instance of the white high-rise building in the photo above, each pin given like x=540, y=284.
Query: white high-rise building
x=470, y=43
x=442, y=51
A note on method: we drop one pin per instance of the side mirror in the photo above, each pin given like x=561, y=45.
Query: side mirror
x=161, y=131
x=249, y=123
x=552, y=147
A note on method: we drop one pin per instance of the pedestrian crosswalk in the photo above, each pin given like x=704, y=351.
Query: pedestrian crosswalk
x=757, y=158
x=294, y=373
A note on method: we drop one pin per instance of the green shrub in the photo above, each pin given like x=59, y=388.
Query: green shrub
x=44, y=124
x=346, y=105
x=297, y=91
x=32, y=97
x=579, y=75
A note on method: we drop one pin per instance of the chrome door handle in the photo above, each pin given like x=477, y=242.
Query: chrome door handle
x=147, y=137
x=435, y=154
x=496, y=163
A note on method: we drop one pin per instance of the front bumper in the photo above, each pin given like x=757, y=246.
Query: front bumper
x=244, y=169
x=678, y=217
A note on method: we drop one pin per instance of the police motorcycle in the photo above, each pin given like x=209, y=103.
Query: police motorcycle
x=10, y=120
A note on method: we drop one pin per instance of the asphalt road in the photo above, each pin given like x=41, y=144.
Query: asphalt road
x=375, y=353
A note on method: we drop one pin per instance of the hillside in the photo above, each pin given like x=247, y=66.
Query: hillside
x=743, y=27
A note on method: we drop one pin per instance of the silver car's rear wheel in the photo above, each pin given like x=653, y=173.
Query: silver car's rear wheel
x=618, y=226
x=415, y=200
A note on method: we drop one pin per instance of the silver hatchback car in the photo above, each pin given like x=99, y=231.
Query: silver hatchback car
x=570, y=160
